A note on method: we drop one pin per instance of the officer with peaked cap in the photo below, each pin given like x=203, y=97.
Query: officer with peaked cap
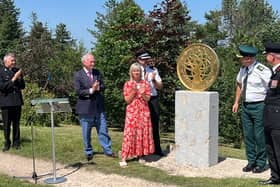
x=151, y=74
x=251, y=86
x=272, y=114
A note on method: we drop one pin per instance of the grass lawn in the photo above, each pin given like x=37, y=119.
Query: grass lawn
x=69, y=150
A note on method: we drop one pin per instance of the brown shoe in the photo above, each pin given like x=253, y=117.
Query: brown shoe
x=112, y=155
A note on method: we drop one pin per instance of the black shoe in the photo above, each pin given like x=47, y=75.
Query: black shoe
x=89, y=157
x=248, y=168
x=16, y=146
x=112, y=155
x=161, y=154
x=269, y=181
x=6, y=148
x=258, y=169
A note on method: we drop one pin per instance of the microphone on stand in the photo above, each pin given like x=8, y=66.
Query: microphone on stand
x=49, y=78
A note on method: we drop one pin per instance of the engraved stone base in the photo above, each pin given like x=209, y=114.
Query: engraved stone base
x=196, y=128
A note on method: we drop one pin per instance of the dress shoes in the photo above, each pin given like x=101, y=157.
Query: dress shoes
x=161, y=154
x=248, y=168
x=89, y=157
x=16, y=146
x=258, y=169
x=6, y=148
x=112, y=155
x=269, y=181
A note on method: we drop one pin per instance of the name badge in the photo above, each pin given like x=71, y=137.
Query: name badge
x=274, y=83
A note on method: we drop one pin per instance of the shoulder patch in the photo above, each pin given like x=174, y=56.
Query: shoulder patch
x=260, y=67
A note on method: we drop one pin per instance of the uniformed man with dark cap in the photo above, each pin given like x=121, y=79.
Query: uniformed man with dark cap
x=252, y=84
x=271, y=113
x=151, y=74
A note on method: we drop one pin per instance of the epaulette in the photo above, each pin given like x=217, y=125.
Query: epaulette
x=260, y=67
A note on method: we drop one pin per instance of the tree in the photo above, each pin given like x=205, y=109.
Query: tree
x=38, y=52
x=65, y=61
x=243, y=20
x=116, y=39
x=11, y=32
x=210, y=33
x=169, y=32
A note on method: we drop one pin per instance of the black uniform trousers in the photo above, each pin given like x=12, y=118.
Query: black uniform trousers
x=272, y=139
x=154, y=110
x=11, y=116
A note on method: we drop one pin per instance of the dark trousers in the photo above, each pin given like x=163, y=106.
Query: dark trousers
x=272, y=138
x=11, y=116
x=271, y=117
x=253, y=129
x=154, y=110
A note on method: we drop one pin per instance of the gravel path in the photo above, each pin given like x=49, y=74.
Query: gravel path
x=14, y=165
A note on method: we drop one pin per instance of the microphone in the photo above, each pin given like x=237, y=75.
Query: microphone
x=49, y=78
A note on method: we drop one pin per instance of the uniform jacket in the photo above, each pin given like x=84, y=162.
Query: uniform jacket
x=88, y=103
x=10, y=92
x=272, y=102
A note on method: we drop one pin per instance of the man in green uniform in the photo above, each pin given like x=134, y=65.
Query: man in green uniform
x=252, y=84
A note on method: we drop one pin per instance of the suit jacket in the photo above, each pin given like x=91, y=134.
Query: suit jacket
x=10, y=92
x=89, y=104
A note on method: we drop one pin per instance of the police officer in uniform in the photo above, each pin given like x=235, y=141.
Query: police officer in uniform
x=252, y=84
x=11, y=84
x=271, y=115
x=151, y=74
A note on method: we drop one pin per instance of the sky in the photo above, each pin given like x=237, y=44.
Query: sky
x=78, y=16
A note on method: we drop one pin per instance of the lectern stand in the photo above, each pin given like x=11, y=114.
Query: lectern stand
x=52, y=106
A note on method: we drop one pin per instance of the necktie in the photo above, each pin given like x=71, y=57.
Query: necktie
x=245, y=85
x=89, y=76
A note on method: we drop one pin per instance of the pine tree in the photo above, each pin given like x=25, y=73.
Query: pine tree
x=11, y=32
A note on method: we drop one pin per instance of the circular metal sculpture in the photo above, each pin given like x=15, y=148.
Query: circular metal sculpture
x=197, y=67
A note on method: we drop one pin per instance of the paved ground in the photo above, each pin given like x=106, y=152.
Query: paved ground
x=76, y=176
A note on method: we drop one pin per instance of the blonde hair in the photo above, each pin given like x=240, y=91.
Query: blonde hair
x=134, y=66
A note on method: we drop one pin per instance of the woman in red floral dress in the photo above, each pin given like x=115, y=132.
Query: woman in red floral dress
x=137, y=135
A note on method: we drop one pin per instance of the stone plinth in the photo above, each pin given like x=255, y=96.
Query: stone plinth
x=196, y=128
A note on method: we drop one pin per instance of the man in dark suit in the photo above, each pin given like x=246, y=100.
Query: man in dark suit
x=88, y=85
x=271, y=114
x=11, y=84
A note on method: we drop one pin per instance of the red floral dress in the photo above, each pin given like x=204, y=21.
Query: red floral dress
x=137, y=135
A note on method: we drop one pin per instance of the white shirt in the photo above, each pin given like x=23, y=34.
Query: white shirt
x=257, y=82
x=149, y=72
x=275, y=67
x=88, y=74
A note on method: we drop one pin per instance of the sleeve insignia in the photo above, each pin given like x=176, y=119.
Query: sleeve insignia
x=259, y=67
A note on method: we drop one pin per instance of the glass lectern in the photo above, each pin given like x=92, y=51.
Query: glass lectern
x=52, y=106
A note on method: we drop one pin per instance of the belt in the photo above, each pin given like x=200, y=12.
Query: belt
x=253, y=102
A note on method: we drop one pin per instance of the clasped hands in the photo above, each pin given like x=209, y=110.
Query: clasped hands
x=17, y=75
x=95, y=86
x=150, y=76
x=138, y=88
